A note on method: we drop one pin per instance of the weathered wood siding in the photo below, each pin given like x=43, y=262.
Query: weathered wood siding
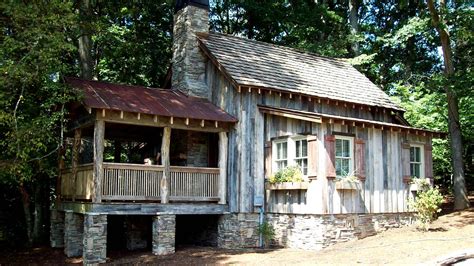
x=382, y=191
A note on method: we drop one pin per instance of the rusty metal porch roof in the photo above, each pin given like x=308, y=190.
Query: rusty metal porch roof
x=139, y=99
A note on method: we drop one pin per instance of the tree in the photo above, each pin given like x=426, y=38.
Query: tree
x=460, y=193
x=35, y=55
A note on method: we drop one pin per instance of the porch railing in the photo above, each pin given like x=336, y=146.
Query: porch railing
x=127, y=182
x=82, y=189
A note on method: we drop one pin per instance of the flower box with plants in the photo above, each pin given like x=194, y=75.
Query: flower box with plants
x=348, y=183
x=417, y=183
x=287, y=178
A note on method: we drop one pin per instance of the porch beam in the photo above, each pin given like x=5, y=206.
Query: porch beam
x=165, y=159
x=98, y=173
x=75, y=159
x=157, y=121
x=223, y=147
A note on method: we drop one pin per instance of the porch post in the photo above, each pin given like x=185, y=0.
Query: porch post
x=75, y=158
x=222, y=167
x=165, y=158
x=98, y=173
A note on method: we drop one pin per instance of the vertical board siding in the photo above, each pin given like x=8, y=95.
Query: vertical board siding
x=382, y=191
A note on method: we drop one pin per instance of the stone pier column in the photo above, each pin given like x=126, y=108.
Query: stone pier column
x=56, y=236
x=73, y=233
x=164, y=229
x=95, y=238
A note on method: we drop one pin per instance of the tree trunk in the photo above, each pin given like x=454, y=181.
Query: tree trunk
x=354, y=21
x=460, y=193
x=38, y=213
x=25, y=199
x=85, y=41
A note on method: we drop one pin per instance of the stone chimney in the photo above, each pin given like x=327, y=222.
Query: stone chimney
x=188, y=63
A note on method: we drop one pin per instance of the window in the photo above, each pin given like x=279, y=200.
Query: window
x=344, y=156
x=281, y=157
x=301, y=155
x=289, y=152
x=416, y=161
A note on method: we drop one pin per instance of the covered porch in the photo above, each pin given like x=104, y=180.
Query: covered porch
x=138, y=145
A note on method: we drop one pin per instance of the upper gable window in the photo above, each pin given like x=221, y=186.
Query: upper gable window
x=416, y=161
x=344, y=156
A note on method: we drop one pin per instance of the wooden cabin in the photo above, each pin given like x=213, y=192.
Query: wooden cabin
x=234, y=113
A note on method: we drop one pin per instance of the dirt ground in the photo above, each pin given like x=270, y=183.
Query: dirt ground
x=452, y=232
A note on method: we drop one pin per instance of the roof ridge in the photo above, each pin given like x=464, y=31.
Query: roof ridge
x=301, y=51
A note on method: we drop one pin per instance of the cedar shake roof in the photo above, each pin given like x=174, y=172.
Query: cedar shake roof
x=258, y=64
x=138, y=99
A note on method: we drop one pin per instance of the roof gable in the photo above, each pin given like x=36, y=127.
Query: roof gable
x=259, y=64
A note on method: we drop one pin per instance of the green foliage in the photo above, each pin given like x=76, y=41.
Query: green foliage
x=287, y=174
x=308, y=25
x=427, y=203
x=268, y=233
x=133, y=41
x=35, y=54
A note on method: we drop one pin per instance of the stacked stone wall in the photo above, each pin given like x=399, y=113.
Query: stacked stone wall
x=188, y=62
x=315, y=232
x=238, y=230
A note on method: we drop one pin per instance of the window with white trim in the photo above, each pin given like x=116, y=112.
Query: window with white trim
x=289, y=152
x=417, y=161
x=301, y=155
x=281, y=158
x=344, y=156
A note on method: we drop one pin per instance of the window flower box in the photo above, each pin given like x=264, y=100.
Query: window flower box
x=417, y=184
x=342, y=184
x=287, y=186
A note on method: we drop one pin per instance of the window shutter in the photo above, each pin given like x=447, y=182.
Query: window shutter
x=268, y=159
x=313, y=158
x=428, y=161
x=330, y=145
x=406, y=162
x=360, y=159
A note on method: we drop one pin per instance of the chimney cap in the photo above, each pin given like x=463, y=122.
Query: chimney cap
x=180, y=4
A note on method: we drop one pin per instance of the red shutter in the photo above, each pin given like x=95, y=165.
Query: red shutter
x=268, y=159
x=330, y=145
x=360, y=158
x=313, y=158
x=428, y=161
x=406, y=162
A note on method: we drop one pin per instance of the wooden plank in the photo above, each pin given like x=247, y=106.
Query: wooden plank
x=223, y=150
x=76, y=146
x=165, y=158
x=99, y=131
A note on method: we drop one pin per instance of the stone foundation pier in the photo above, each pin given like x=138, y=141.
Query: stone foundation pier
x=73, y=233
x=95, y=238
x=56, y=236
x=164, y=234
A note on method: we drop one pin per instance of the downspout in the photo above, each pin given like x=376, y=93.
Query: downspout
x=261, y=216
x=259, y=202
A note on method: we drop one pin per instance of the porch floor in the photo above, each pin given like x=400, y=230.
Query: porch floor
x=143, y=208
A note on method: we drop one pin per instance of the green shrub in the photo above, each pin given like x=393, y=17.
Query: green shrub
x=268, y=233
x=427, y=203
x=287, y=174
